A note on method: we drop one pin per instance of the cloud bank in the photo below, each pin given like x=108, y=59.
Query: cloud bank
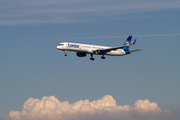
x=50, y=108
x=69, y=11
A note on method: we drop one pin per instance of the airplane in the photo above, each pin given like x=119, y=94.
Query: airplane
x=83, y=49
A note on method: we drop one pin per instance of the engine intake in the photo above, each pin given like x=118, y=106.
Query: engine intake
x=81, y=54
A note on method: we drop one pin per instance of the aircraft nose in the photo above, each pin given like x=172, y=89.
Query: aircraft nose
x=58, y=47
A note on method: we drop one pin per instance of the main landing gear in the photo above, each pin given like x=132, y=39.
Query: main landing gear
x=92, y=57
x=103, y=57
x=65, y=53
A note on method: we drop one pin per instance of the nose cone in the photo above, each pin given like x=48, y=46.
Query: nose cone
x=58, y=47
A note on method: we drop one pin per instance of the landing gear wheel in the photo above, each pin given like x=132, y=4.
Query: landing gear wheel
x=92, y=59
x=103, y=57
x=65, y=53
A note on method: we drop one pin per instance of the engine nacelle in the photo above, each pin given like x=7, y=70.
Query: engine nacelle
x=100, y=52
x=81, y=54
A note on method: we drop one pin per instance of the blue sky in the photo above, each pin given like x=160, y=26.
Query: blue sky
x=31, y=66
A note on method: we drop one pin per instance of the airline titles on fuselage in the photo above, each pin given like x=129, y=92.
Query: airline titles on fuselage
x=73, y=45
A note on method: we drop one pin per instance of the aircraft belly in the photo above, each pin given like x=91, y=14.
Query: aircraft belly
x=116, y=53
x=113, y=54
x=80, y=50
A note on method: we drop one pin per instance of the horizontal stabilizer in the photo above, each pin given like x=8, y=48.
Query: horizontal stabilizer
x=135, y=50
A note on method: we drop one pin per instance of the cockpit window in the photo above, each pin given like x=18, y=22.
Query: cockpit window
x=61, y=44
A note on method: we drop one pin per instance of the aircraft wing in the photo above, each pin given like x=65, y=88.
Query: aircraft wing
x=113, y=48
x=118, y=47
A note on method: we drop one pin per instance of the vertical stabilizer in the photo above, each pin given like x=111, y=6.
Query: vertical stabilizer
x=127, y=42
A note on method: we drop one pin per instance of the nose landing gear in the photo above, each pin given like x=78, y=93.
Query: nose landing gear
x=65, y=53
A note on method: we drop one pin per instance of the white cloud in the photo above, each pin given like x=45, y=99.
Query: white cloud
x=50, y=108
x=69, y=11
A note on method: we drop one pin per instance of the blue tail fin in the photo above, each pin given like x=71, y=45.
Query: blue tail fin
x=127, y=42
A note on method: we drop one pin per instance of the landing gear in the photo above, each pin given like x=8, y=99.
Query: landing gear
x=103, y=57
x=65, y=53
x=92, y=57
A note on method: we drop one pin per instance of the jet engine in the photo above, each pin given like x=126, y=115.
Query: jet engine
x=81, y=54
x=100, y=52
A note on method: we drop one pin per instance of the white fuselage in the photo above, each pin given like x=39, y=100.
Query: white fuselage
x=89, y=49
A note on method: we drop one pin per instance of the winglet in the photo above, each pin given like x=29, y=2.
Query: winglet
x=134, y=41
